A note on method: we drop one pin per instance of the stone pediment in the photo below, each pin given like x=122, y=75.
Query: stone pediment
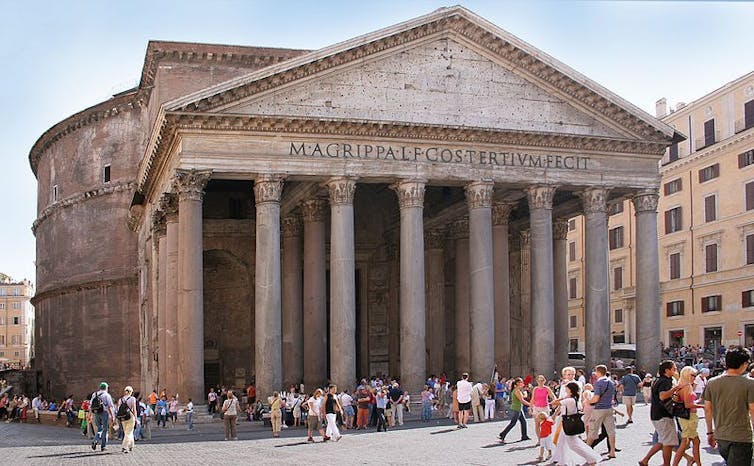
x=448, y=68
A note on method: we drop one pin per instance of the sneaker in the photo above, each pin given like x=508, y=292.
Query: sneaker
x=103, y=449
x=125, y=451
x=325, y=438
x=459, y=426
x=502, y=437
x=523, y=439
x=94, y=445
x=310, y=440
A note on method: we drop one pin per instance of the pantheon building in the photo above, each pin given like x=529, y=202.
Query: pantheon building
x=393, y=204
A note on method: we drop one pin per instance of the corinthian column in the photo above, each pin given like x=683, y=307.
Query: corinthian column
x=160, y=230
x=267, y=306
x=169, y=352
x=479, y=200
x=190, y=186
x=434, y=241
x=293, y=347
x=501, y=274
x=315, y=293
x=460, y=232
x=342, y=283
x=412, y=307
x=647, y=282
x=560, y=288
x=597, y=297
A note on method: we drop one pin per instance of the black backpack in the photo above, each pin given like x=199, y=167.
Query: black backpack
x=124, y=412
x=97, y=406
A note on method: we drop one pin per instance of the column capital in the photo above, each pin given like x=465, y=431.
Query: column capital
x=291, y=226
x=501, y=212
x=479, y=194
x=459, y=229
x=434, y=239
x=541, y=196
x=268, y=188
x=594, y=200
x=314, y=210
x=560, y=229
x=646, y=201
x=159, y=226
x=410, y=193
x=341, y=190
x=525, y=238
x=190, y=184
x=168, y=204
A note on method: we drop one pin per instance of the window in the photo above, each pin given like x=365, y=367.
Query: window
x=709, y=173
x=16, y=320
x=54, y=193
x=674, y=308
x=749, y=192
x=617, y=278
x=750, y=249
x=574, y=321
x=619, y=316
x=747, y=298
x=572, y=224
x=15, y=340
x=106, y=174
x=710, y=258
x=615, y=238
x=747, y=158
x=2, y=339
x=709, y=132
x=673, y=220
x=672, y=187
x=749, y=114
x=712, y=303
x=16, y=305
x=2, y=305
x=572, y=251
x=572, y=290
x=2, y=320
x=573, y=344
x=675, y=265
x=710, y=208
x=673, y=153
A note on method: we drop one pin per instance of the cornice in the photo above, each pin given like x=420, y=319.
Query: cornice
x=708, y=152
x=91, y=285
x=79, y=198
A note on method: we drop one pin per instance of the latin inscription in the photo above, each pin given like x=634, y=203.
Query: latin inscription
x=438, y=154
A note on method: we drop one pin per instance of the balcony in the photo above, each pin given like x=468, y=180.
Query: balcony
x=741, y=125
x=701, y=143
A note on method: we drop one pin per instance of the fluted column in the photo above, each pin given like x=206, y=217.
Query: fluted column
x=190, y=187
x=460, y=232
x=293, y=345
x=268, y=190
x=560, y=288
x=342, y=283
x=648, y=339
x=501, y=274
x=160, y=229
x=434, y=242
x=597, y=296
x=169, y=353
x=482, y=303
x=412, y=307
x=314, y=212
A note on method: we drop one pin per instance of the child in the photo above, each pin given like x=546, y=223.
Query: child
x=545, y=439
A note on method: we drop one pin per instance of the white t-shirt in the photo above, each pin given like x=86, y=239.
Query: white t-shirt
x=699, y=384
x=463, y=392
x=315, y=404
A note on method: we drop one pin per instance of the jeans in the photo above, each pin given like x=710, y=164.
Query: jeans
x=161, y=418
x=735, y=453
x=190, y=419
x=381, y=421
x=426, y=411
x=516, y=416
x=101, y=421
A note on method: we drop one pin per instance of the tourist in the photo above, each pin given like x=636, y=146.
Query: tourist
x=463, y=395
x=667, y=436
x=382, y=400
x=646, y=388
x=230, y=410
x=629, y=385
x=313, y=419
x=500, y=394
x=545, y=436
x=688, y=426
x=173, y=410
x=190, y=414
x=602, y=400
x=70, y=410
x=331, y=407
x=152, y=398
x=162, y=411
x=276, y=416
x=540, y=400
x=396, y=400
x=346, y=400
x=477, y=410
x=36, y=406
x=700, y=382
x=212, y=401
x=362, y=407
x=517, y=415
x=572, y=444
x=146, y=421
x=729, y=408
x=489, y=403
x=427, y=398
x=101, y=406
x=127, y=417
x=587, y=407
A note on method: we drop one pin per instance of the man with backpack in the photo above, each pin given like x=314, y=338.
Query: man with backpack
x=101, y=407
x=127, y=416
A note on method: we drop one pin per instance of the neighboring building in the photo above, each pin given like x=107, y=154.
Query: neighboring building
x=389, y=204
x=16, y=322
x=706, y=230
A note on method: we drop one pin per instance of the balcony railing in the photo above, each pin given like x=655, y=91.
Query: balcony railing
x=742, y=126
x=701, y=143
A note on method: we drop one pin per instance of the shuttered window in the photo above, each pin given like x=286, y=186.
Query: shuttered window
x=709, y=132
x=750, y=249
x=749, y=190
x=710, y=258
x=749, y=114
x=673, y=220
x=572, y=290
x=672, y=187
x=617, y=278
x=673, y=153
x=572, y=251
x=675, y=266
x=674, y=308
x=710, y=208
x=709, y=173
x=615, y=238
x=712, y=303
x=747, y=298
x=746, y=158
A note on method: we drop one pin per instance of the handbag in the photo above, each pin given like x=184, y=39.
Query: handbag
x=676, y=408
x=573, y=424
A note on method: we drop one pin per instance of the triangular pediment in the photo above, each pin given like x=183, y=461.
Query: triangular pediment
x=449, y=68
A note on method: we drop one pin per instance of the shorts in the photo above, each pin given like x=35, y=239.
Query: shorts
x=539, y=409
x=629, y=400
x=598, y=418
x=348, y=411
x=312, y=423
x=689, y=426
x=666, y=433
x=464, y=406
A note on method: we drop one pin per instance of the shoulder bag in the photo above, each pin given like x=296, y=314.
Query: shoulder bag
x=573, y=424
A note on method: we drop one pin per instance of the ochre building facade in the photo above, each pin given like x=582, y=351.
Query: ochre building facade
x=393, y=204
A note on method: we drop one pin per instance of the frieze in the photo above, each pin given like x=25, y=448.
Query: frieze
x=410, y=193
x=268, y=188
x=159, y=226
x=540, y=196
x=594, y=200
x=560, y=229
x=501, y=212
x=190, y=184
x=168, y=204
x=435, y=238
x=291, y=226
x=479, y=194
x=459, y=229
x=341, y=190
x=314, y=210
x=646, y=201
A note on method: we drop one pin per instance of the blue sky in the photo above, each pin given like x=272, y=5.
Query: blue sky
x=63, y=56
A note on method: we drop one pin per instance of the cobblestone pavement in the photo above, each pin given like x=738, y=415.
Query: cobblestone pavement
x=434, y=443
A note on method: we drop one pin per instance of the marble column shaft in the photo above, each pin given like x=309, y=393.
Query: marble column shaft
x=267, y=300
x=190, y=186
x=412, y=298
x=435, y=299
x=162, y=267
x=169, y=354
x=501, y=274
x=462, y=338
x=291, y=302
x=315, y=293
x=597, y=293
x=482, y=299
x=648, y=338
x=560, y=290
x=342, y=283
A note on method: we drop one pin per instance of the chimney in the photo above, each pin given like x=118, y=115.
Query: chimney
x=661, y=108
x=680, y=105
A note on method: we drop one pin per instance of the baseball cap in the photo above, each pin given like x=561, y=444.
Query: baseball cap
x=102, y=385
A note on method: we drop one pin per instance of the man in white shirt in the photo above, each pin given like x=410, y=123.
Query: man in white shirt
x=36, y=406
x=463, y=394
x=700, y=383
